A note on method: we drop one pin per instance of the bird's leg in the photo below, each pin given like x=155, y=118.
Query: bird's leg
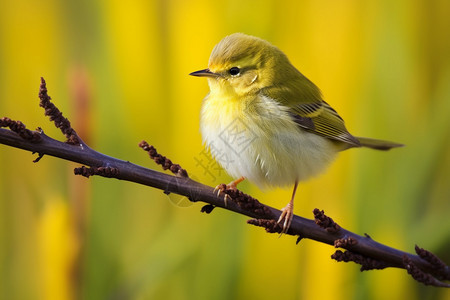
x=231, y=186
x=288, y=212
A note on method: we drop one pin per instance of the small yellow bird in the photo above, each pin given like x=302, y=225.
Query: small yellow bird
x=265, y=121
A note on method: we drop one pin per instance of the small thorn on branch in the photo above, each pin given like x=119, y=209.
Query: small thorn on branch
x=208, y=208
x=40, y=155
x=20, y=128
x=101, y=171
x=366, y=263
x=163, y=161
x=325, y=222
x=56, y=115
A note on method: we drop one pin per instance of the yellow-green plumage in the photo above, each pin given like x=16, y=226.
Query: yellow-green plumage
x=292, y=133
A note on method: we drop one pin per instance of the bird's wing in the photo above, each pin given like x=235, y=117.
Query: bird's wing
x=325, y=121
x=311, y=113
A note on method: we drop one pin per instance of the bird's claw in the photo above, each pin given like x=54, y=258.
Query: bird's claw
x=221, y=188
x=287, y=215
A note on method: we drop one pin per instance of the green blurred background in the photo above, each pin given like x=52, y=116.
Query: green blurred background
x=119, y=71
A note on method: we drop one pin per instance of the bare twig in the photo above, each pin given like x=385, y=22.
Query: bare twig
x=424, y=267
x=420, y=275
x=162, y=160
x=366, y=263
x=56, y=116
x=101, y=171
x=325, y=222
x=20, y=128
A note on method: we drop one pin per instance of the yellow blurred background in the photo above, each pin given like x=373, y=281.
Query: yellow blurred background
x=119, y=71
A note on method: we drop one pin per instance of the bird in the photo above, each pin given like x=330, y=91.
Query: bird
x=264, y=121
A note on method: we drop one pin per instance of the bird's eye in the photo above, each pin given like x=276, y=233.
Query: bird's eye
x=234, y=71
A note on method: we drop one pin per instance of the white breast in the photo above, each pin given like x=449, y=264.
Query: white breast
x=262, y=143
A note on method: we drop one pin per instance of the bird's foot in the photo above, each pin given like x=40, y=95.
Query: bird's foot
x=221, y=188
x=287, y=214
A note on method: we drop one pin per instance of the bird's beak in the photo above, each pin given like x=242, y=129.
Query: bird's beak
x=204, y=73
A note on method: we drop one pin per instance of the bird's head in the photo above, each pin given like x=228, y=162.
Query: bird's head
x=241, y=65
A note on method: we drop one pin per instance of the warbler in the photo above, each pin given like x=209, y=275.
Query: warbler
x=265, y=121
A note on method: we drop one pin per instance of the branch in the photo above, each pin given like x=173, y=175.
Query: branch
x=424, y=267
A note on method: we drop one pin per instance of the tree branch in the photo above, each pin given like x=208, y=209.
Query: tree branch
x=424, y=267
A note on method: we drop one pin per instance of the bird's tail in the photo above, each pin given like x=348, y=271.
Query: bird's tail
x=377, y=144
